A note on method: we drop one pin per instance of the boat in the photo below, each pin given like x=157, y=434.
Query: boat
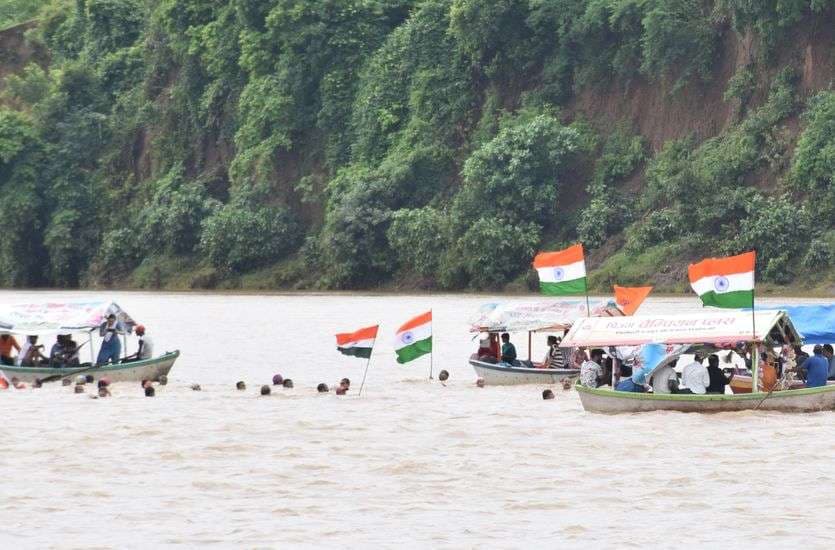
x=130, y=371
x=531, y=318
x=703, y=332
x=79, y=318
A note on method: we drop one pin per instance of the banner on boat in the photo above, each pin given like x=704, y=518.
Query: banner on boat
x=55, y=317
x=709, y=328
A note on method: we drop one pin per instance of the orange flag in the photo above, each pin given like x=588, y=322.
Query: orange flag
x=630, y=298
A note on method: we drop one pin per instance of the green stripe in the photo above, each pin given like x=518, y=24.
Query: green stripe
x=353, y=351
x=735, y=299
x=564, y=288
x=414, y=350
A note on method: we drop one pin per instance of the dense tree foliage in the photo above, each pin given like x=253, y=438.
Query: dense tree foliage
x=352, y=142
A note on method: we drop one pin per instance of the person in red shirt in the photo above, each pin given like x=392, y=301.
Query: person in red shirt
x=7, y=342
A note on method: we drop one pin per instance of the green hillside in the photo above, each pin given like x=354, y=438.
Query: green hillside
x=414, y=144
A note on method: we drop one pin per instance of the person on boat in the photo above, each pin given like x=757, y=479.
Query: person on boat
x=7, y=344
x=664, y=380
x=695, y=377
x=718, y=380
x=768, y=372
x=111, y=348
x=554, y=359
x=30, y=354
x=817, y=368
x=144, y=346
x=57, y=352
x=488, y=349
x=508, y=350
x=591, y=371
x=827, y=352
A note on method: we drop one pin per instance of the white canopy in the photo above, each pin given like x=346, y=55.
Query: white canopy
x=709, y=327
x=536, y=316
x=60, y=317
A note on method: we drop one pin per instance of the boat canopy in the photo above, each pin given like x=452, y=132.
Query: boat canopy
x=60, y=317
x=816, y=323
x=719, y=328
x=536, y=316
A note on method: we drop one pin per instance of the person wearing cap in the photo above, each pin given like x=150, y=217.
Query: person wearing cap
x=145, y=346
x=111, y=348
x=817, y=368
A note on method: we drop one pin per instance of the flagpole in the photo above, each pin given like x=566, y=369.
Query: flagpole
x=364, y=374
x=755, y=353
x=431, y=351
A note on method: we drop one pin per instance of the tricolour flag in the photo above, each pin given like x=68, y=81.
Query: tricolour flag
x=414, y=338
x=725, y=282
x=562, y=273
x=630, y=298
x=358, y=343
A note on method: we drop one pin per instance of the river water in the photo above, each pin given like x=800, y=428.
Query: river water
x=412, y=463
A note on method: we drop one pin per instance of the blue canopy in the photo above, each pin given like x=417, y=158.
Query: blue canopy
x=816, y=323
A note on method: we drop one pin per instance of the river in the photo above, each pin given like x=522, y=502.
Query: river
x=411, y=464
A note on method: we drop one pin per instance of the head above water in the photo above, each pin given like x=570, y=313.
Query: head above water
x=89, y=378
x=196, y=387
x=505, y=337
x=288, y=383
x=322, y=388
x=104, y=392
x=265, y=390
x=241, y=385
x=79, y=388
x=66, y=381
x=547, y=394
x=345, y=382
x=480, y=382
x=278, y=380
x=150, y=391
x=443, y=376
x=163, y=380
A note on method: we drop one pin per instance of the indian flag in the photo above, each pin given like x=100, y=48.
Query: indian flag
x=358, y=343
x=414, y=338
x=563, y=272
x=725, y=282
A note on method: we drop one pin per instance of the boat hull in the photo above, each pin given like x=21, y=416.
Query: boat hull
x=503, y=375
x=148, y=369
x=607, y=401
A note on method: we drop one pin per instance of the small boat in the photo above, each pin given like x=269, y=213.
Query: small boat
x=83, y=318
x=130, y=371
x=607, y=401
x=530, y=318
x=502, y=374
x=705, y=332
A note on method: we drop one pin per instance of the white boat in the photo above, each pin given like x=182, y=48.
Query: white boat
x=131, y=371
x=532, y=318
x=705, y=332
x=502, y=374
x=83, y=317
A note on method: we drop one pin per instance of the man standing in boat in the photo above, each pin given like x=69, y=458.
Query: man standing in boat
x=111, y=348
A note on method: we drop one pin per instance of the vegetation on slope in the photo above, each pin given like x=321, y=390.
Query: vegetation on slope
x=350, y=143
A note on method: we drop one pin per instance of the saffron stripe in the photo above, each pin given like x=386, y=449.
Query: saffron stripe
x=712, y=267
x=570, y=255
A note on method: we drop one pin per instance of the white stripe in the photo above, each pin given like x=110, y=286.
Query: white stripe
x=569, y=272
x=420, y=332
x=367, y=343
x=736, y=282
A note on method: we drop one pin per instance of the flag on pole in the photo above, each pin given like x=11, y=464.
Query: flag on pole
x=725, y=282
x=629, y=299
x=358, y=343
x=563, y=272
x=414, y=338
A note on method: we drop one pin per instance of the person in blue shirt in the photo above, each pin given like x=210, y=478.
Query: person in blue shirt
x=508, y=350
x=817, y=368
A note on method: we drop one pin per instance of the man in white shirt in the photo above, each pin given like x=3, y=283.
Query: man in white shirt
x=695, y=377
x=145, y=346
